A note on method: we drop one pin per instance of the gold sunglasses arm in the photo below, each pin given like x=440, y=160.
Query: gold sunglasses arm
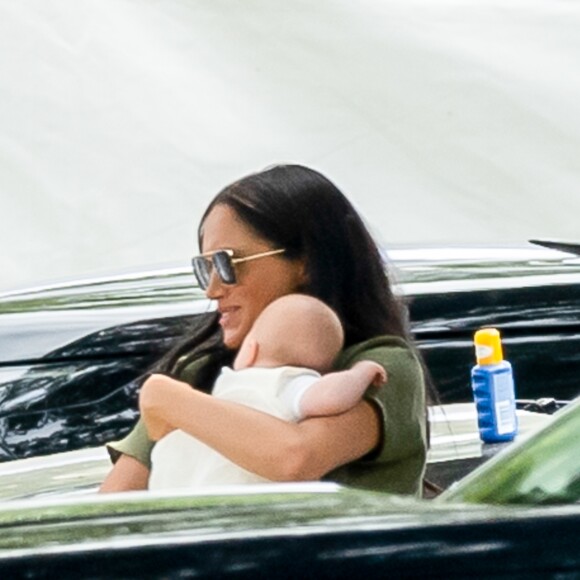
x=256, y=256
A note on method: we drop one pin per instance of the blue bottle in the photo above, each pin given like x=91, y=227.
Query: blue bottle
x=493, y=389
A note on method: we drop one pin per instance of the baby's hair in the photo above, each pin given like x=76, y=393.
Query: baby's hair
x=299, y=330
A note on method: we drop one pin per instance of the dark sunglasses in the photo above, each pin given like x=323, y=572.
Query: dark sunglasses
x=223, y=262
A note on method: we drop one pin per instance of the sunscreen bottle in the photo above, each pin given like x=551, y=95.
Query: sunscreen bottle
x=493, y=389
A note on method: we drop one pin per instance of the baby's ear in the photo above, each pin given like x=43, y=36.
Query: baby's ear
x=248, y=354
x=253, y=350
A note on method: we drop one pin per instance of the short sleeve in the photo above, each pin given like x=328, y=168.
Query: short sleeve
x=136, y=444
x=401, y=403
x=397, y=463
x=292, y=393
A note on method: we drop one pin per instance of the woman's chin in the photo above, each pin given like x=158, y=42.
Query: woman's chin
x=232, y=339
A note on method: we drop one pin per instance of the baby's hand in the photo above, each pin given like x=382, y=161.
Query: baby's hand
x=156, y=393
x=377, y=375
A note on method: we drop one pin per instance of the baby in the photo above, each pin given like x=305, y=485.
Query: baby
x=278, y=370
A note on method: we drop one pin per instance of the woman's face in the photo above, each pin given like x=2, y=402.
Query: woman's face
x=259, y=281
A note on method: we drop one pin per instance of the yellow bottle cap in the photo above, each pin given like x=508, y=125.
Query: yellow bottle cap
x=488, y=349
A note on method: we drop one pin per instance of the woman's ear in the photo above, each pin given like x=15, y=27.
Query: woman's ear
x=248, y=354
x=303, y=277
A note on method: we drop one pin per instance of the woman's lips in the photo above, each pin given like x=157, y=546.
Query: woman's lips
x=227, y=316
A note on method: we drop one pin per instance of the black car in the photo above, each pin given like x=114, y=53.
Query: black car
x=516, y=517
x=71, y=354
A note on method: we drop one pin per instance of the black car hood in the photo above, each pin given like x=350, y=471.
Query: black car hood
x=39, y=322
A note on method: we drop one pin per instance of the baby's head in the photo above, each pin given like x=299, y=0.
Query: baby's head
x=295, y=330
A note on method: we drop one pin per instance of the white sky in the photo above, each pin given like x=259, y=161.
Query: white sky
x=444, y=121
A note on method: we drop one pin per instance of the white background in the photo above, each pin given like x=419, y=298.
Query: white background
x=443, y=120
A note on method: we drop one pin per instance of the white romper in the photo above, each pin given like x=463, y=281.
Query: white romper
x=180, y=460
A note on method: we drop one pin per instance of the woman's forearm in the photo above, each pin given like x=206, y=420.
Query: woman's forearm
x=128, y=474
x=258, y=442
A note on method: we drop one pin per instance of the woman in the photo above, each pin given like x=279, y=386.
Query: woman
x=289, y=229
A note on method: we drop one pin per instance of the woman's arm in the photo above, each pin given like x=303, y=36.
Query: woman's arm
x=258, y=442
x=128, y=474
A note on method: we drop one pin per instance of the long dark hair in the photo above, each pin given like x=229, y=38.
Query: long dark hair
x=297, y=208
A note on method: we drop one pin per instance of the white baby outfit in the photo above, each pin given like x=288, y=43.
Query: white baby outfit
x=180, y=460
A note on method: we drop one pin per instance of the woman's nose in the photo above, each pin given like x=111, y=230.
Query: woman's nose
x=215, y=287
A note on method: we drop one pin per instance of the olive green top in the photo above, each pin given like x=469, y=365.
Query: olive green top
x=398, y=463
